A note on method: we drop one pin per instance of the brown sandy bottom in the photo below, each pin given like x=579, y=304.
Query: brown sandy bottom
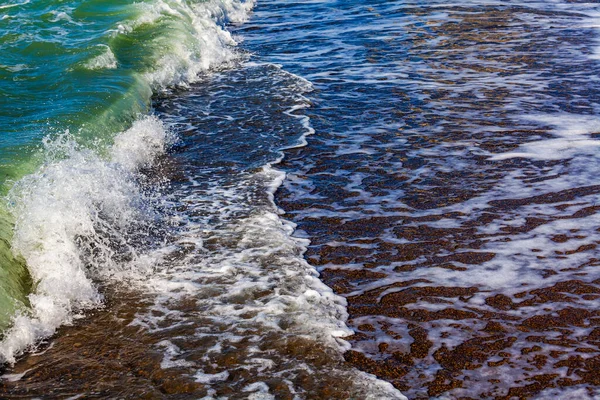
x=469, y=272
x=450, y=193
x=101, y=355
x=489, y=296
x=529, y=339
x=108, y=355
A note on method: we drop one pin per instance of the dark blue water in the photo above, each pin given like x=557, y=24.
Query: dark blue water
x=449, y=191
x=205, y=292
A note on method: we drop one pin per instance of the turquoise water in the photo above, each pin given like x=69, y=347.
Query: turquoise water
x=92, y=66
x=56, y=74
x=53, y=76
x=76, y=81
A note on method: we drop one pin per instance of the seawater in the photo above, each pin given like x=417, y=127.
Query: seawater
x=76, y=81
x=449, y=191
x=291, y=199
x=145, y=255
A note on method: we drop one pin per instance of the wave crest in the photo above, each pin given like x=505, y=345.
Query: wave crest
x=72, y=222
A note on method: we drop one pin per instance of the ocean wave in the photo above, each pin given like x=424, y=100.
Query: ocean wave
x=74, y=215
x=72, y=221
x=105, y=60
x=193, y=37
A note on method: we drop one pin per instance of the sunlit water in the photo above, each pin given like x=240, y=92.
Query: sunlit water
x=450, y=188
x=161, y=264
x=434, y=162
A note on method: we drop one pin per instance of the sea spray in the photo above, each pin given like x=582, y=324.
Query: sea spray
x=237, y=306
x=230, y=301
x=72, y=222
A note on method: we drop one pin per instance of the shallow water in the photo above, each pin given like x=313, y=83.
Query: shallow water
x=76, y=83
x=449, y=190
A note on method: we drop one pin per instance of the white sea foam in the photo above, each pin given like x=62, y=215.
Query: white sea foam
x=5, y=6
x=78, y=205
x=209, y=378
x=245, y=274
x=105, y=60
x=14, y=377
x=196, y=40
x=63, y=15
x=256, y=254
x=572, y=136
x=67, y=215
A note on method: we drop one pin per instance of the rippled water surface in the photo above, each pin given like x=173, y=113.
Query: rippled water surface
x=217, y=300
x=450, y=191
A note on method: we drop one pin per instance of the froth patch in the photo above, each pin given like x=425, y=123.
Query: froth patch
x=105, y=60
x=572, y=136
